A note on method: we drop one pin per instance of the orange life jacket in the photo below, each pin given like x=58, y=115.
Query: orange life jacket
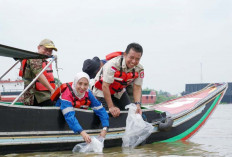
x=121, y=80
x=48, y=73
x=113, y=55
x=77, y=103
x=22, y=67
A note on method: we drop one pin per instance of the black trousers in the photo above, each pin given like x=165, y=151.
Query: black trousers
x=44, y=103
x=129, y=90
x=120, y=103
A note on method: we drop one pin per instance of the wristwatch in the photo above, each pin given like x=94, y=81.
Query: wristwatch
x=105, y=129
x=136, y=103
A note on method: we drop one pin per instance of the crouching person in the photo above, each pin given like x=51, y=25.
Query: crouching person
x=77, y=95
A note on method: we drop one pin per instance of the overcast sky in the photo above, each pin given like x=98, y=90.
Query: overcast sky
x=178, y=36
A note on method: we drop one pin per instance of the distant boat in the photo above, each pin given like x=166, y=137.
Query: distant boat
x=32, y=128
x=10, y=89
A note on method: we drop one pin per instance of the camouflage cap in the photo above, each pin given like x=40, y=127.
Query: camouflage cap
x=48, y=44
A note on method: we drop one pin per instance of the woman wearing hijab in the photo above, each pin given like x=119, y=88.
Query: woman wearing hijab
x=78, y=95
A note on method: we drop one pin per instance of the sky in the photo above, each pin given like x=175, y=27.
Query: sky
x=184, y=41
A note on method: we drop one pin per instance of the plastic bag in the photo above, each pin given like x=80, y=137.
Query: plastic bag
x=137, y=130
x=96, y=145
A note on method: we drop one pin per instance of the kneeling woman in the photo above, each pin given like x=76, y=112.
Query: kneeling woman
x=72, y=97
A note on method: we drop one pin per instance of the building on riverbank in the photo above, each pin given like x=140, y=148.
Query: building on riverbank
x=148, y=97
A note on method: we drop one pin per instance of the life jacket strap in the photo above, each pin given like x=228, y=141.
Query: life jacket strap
x=133, y=72
x=49, y=81
x=49, y=71
x=121, y=82
x=74, y=97
x=121, y=66
x=86, y=101
x=117, y=90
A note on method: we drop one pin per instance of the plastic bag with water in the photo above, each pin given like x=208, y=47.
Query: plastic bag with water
x=96, y=145
x=137, y=130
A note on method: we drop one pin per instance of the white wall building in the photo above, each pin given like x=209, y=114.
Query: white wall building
x=11, y=86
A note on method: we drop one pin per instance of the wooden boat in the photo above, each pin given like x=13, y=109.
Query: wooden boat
x=10, y=89
x=31, y=128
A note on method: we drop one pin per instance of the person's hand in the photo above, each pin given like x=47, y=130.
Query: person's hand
x=52, y=91
x=103, y=133
x=115, y=111
x=86, y=137
x=138, y=110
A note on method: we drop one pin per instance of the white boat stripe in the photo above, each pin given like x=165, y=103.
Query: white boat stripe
x=57, y=108
x=97, y=108
x=67, y=110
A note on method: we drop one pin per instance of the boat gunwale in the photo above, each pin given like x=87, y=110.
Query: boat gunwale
x=202, y=101
x=198, y=107
x=57, y=108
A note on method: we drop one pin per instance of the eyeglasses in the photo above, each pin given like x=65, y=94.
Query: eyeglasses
x=47, y=49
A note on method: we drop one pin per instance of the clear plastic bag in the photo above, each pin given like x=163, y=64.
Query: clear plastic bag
x=96, y=145
x=137, y=130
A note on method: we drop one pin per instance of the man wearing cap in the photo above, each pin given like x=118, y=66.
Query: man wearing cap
x=40, y=92
x=92, y=66
x=116, y=75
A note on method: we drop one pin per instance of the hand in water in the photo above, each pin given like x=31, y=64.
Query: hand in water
x=103, y=133
x=86, y=137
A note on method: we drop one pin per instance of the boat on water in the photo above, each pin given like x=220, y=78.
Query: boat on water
x=10, y=89
x=31, y=128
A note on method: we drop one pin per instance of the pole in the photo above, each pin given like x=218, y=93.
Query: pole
x=201, y=74
x=9, y=69
x=53, y=58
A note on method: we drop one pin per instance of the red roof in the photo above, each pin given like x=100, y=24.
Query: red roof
x=9, y=81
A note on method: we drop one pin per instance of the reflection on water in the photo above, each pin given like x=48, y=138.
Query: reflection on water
x=158, y=149
x=216, y=135
x=175, y=148
x=214, y=139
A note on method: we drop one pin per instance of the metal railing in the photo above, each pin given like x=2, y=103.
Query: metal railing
x=33, y=81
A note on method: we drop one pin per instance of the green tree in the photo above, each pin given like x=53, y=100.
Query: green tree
x=57, y=82
x=162, y=96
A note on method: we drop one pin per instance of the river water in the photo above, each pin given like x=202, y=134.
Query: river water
x=213, y=139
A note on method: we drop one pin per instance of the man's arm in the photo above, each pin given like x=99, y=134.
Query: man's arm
x=106, y=92
x=137, y=89
x=36, y=68
x=42, y=79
